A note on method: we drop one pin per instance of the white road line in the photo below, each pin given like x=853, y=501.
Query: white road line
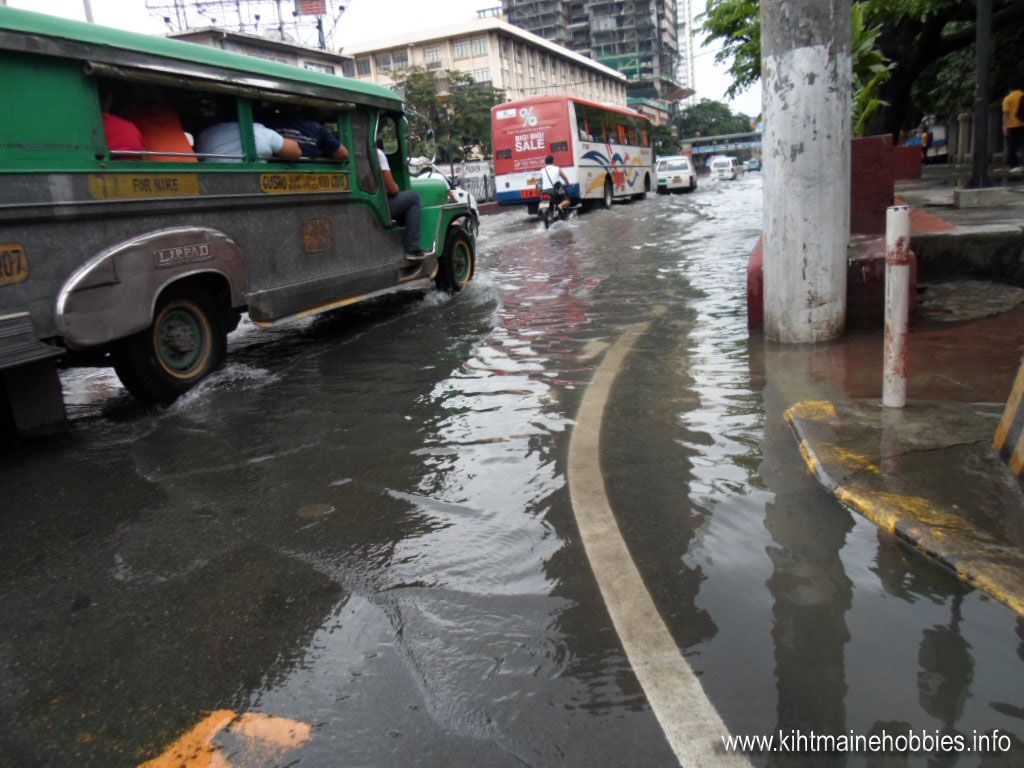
x=690, y=722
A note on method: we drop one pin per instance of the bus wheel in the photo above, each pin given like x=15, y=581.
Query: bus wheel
x=457, y=262
x=606, y=201
x=186, y=342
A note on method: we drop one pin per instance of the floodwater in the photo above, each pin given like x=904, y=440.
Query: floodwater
x=363, y=523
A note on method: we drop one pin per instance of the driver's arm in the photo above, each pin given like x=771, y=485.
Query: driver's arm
x=389, y=183
x=564, y=177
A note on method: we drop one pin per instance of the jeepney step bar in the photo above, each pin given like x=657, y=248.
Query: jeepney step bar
x=18, y=343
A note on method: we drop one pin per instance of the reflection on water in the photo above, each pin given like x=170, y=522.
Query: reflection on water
x=363, y=523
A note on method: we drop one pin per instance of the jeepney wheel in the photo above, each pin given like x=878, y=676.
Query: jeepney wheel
x=457, y=262
x=606, y=200
x=186, y=343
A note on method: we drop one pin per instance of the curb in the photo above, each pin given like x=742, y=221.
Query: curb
x=931, y=528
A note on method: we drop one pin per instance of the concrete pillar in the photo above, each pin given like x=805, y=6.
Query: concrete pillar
x=963, y=150
x=806, y=70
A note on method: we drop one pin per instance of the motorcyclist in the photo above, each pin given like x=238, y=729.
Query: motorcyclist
x=554, y=183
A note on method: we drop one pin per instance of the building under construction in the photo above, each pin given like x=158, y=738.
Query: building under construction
x=637, y=37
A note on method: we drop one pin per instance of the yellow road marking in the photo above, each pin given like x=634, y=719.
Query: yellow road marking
x=689, y=720
x=262, y=740
x=812, y=410
x=1010, y=412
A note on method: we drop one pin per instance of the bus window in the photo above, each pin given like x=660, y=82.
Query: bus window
x=585, y=132
x=631, y=135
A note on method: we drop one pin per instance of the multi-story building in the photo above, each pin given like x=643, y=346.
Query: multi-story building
x=685, y=73
x=266, y=47
x=637, y=37
x=492, y=51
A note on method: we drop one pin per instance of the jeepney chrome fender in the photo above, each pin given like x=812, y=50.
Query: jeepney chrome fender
x=113, y=295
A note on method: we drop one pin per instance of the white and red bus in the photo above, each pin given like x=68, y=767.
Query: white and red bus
x=604, y=150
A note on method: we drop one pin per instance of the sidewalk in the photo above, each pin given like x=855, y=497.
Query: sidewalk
x=928, y=472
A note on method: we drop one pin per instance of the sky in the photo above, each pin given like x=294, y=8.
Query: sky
x=365, y=20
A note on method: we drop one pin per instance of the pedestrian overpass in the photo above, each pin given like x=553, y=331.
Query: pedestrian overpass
x=720, y=145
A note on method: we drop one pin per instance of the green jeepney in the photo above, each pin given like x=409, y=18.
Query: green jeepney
x=145, y=260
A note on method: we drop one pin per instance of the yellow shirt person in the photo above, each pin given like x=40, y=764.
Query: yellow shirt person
x=1013, y=129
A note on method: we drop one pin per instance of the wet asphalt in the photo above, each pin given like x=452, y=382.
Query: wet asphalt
x=363, y=523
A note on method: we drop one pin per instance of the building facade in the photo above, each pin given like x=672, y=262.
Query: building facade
x=639, y=38
x=267, y=47
x=493, y=52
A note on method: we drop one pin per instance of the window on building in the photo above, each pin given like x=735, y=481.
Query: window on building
x=316, y=67
x=363, y=66
x=400, y=59
x=482, y=75
x=348, y=68
x=383, y=62
x=479, y=46
x=461, y=49
x=432, y=55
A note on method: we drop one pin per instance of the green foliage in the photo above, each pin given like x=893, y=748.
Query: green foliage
x=910, y=57
x=664, y=140
x=710, y=118
x=871, y=69
x=736, y=26
x=452, y=105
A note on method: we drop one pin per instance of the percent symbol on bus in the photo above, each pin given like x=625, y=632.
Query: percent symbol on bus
x=528, y=117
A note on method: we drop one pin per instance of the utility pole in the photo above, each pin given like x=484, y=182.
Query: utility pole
x=807, y=75
x=982, y=95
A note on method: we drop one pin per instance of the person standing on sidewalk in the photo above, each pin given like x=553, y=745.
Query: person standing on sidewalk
x=1013, y=128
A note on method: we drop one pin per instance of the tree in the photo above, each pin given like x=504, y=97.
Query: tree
x=664, y=140
x=710, y=118
x=916, y=37
x=453, y=106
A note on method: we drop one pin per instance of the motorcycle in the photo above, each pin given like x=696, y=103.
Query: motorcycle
x=422, y=168
x=552, y=212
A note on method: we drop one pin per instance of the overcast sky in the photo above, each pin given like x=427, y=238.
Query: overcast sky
x=370, y=19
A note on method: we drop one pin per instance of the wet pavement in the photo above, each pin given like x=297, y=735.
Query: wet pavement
x=363, y=524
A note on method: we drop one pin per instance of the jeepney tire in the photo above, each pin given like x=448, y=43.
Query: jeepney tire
x=606, y=198
x=146, y=366
x=458, y=261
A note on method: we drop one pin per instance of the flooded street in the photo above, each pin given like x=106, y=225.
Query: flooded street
x=363, y=523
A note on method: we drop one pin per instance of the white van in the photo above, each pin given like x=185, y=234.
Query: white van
x=675, y=172
x=725, y=168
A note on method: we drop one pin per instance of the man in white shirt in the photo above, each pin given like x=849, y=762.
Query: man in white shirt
x=404, y=207
x=226, y=139
x=553, y=176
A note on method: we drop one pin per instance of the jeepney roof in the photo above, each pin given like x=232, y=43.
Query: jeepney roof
x=78, y=32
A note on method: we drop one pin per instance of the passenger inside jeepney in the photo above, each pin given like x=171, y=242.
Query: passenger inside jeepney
x=314, y=138
x=224, y=138
x=160, y=125
x=122, y=134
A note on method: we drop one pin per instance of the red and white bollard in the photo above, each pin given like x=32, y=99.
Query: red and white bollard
x=897, y=305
